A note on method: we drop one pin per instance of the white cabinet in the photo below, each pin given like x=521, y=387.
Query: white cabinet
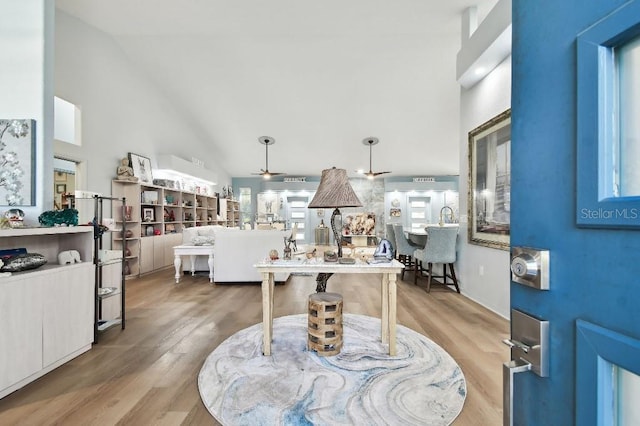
x=147, y=247
x=20, y=330
x=67, y=310
x=171, y=240
x=152, y=253
x=157, y=252
x=46, y=314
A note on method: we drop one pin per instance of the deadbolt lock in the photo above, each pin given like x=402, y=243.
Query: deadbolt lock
x=530, y=267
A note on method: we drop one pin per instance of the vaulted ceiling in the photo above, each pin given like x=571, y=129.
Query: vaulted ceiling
x=317, y=77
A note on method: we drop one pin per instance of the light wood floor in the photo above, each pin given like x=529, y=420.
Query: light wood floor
x=147, y=374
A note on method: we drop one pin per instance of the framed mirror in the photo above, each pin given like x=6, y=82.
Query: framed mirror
x=490, y=182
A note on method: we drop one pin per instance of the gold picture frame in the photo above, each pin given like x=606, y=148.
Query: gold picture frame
x=489, y=196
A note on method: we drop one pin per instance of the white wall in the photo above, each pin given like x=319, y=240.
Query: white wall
x=26, y=83
x=122, y=111
x=486, y=99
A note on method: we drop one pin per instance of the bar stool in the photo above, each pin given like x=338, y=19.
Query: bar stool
x=404, y=250
x=391, y=236
x=440, y=248
x=325, y=323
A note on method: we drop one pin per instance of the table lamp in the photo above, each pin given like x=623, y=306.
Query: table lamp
x=335, y=191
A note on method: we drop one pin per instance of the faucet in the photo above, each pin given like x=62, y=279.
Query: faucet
x=451, y=216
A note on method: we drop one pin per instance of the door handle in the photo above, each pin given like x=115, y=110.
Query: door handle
x=509, y=369
x=529, y=343
x=517, y=344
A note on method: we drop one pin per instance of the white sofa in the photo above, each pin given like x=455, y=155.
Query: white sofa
x=235, y=251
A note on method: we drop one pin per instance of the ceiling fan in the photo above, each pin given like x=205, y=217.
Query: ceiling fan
x=370, y=142
x=265, y=173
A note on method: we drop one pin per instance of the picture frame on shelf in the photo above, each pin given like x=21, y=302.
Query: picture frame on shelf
x=148, y=215
x=141, y=167
x=149, y=197
x=489, y=196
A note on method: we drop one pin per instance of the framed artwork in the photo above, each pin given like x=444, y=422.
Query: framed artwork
x=61, y=188
x=267, y=203
x=360, y=224
x=490, y=183
x=17, y=149
x=141, y=167
x=395, y=212
x=148, y=215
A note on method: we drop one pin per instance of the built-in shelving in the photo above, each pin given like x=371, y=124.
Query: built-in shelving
x=157, y=217
x=231, y=211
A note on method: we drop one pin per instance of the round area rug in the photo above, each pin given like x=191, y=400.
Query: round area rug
x=421, y=385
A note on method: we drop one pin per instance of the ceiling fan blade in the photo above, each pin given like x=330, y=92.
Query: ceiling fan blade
x=380, y=173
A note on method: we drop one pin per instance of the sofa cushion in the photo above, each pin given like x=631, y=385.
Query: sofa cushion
x=203, y=240
x=207, y=231
x=200, y=235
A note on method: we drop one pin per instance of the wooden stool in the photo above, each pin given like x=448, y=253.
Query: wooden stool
x=325, y=323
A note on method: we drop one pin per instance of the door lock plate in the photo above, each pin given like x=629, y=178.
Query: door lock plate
x=530, y=267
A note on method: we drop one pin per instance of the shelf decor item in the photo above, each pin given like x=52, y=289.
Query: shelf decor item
x=23, y=262
x=15, y=217
x=125, y=171
x=273, y=254
x=59, y=217
x=141, y=167
x=148, y=215
x=68, y=257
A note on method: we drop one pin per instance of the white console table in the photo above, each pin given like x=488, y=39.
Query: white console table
x=387, y=271
x=192, y=252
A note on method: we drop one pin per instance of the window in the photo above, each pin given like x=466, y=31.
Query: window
x=627, y=172
x=607, y=143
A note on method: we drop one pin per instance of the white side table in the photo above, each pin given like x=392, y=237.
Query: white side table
x=192, y=252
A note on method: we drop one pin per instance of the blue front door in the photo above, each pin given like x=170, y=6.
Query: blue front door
x=564, y=199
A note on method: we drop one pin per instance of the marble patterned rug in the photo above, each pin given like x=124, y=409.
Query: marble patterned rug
x=363, y=385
